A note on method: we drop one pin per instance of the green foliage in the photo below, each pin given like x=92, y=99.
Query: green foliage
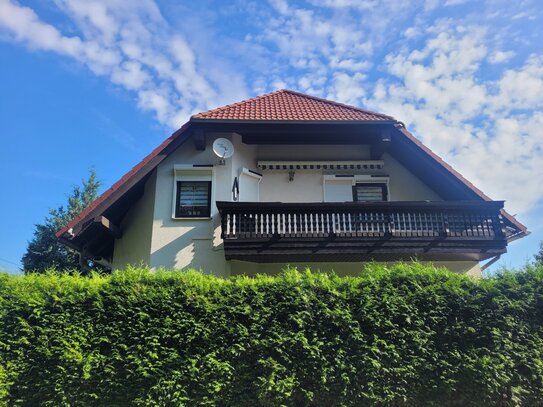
x=44, y=251
x=406, y=335
x=538, y=257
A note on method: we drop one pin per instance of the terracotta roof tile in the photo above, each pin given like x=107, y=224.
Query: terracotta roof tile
x=287, y=105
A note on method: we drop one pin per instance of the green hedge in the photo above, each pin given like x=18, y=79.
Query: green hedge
x=407, y=335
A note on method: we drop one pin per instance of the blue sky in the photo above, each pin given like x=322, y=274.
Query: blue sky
x=95, y=83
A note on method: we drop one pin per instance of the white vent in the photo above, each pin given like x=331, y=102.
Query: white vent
x=320, y=165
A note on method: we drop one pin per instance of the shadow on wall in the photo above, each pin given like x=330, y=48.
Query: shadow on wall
x=193, y=247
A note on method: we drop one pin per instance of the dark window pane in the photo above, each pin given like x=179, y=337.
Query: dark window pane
x=193, y=199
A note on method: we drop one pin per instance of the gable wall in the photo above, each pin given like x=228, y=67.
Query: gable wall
x=154, y=237
x=307, y=186
x=404, y=186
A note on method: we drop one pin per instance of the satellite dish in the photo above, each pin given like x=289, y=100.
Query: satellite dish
x=223, y=148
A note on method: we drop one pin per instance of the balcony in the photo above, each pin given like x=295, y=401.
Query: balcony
x=361, y=231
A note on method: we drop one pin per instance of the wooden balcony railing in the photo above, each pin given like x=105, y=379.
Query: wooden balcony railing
x=467, y=222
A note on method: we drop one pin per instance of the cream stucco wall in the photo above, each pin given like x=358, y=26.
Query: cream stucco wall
x=307, y=185
x=471, y=268
x=195, y=243
x=153, y=236
x=404, y=186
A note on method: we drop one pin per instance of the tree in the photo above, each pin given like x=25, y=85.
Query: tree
x=538, y=257
x=44, y=250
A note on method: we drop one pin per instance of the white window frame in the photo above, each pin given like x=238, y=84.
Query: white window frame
x=189, y=172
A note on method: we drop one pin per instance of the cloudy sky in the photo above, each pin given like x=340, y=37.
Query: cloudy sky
x=100, y=83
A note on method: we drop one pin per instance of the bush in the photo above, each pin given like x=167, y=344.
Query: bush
x=406, y=335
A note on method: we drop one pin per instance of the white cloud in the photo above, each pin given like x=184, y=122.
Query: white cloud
x=336, y=46
x=347, y=88
x=488, y=129
x=25, y=26
x=280, y=5
x=453, y=79
x=133, y=45
x=499, y=57
x=521, y=88
x=455, y=2
x=355, y=4
x=412, y=32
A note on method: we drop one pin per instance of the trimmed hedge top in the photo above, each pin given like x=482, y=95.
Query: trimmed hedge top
x=404, y=335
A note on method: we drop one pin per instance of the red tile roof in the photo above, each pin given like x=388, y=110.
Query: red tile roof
x=287, y=105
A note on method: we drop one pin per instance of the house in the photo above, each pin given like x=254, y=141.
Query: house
x=287, y=178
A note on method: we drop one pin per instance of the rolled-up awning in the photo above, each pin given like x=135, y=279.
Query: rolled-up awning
x=320, y=165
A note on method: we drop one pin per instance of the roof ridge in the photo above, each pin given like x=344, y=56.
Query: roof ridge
x=333, y=102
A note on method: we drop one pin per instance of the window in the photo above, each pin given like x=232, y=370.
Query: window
x=355, y=187
x=193, y=199
x=370, y=192
x=192, y=191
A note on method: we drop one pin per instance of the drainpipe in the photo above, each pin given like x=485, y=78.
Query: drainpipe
x=491, y=262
